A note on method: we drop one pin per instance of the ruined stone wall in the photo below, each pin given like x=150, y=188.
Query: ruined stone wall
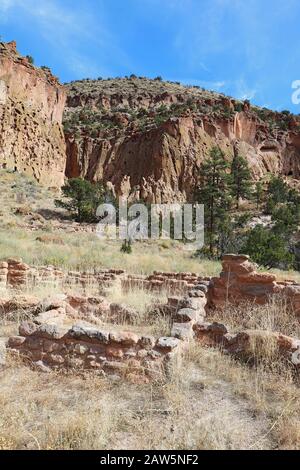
x=17, y=274
x=47, y=344
x=122, y=353
x=159, y=281
x=239, y=282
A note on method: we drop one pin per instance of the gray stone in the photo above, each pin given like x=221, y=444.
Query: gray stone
x=182, y=331
x=193, y=303
x=186, y=315
x=125, y=338
x=147, y=342
x=81, y=348
x=167, y=343
x=27, y=328
x=296, y=357
x=202, y=288
x=80, y=332
x=154, y=354
x=41, y=367
x=130, y=354
x=51, y=331
x=198, y=293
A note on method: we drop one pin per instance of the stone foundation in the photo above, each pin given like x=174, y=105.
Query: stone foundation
x=49, y=346
x=47, y=343
x=158, y=281
x=239, y=283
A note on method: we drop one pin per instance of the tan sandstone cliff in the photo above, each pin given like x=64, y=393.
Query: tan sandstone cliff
x=31, y=108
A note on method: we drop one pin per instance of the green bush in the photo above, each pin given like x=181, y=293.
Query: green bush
x=81, y=199
x=267, y=248
x=30, y=59
x=126, y=247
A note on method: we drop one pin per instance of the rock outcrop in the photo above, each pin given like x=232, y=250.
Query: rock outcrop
x=148, y=139
x=239, y=282
x=31, y=108
x=145, y=138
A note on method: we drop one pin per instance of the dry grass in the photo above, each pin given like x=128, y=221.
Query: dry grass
x=275, y=316
x=211, y=402
x=85, y=251
x=147, y=318
x=138, y=299
x=271, y=395
x=52, y=243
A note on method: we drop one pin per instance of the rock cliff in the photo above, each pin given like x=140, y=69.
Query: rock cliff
x=148, y=138
x=145, y=138
x=31, y=108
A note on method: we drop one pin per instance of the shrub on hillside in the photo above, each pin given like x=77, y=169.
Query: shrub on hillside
x=267, y=248
x=81, y=199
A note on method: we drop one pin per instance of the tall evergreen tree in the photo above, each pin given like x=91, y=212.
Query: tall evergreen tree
x=277, y=193
x=240, y=179
x=258, y=194
x=213, y=193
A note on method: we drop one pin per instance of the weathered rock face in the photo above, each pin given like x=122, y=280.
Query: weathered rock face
x=148, y=140
x=31, y=108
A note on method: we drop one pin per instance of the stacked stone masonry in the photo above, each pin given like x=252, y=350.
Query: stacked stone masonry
x=48, y=343
x=239, y=282
x=80, y=347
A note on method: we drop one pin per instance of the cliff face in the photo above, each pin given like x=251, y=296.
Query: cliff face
x=145, y=138
x=31, y=108
x=148, y=138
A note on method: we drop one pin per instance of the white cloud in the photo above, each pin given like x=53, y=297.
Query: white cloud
x=66, y=29
x=243, y=91
x=210, y=85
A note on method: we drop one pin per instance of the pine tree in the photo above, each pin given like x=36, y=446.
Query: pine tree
x=258, y=194
x=278, y=192
x=213, y=193
x=81, y=199
x=240, y=179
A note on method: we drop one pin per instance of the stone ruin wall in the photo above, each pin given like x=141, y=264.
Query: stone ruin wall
x=16, y=274
x=111, y=352
x=47, y=343
x=239, y=282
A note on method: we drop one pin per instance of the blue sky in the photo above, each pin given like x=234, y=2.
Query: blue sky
x=244, y=48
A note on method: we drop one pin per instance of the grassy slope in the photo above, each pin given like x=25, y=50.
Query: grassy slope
x=211, y=402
